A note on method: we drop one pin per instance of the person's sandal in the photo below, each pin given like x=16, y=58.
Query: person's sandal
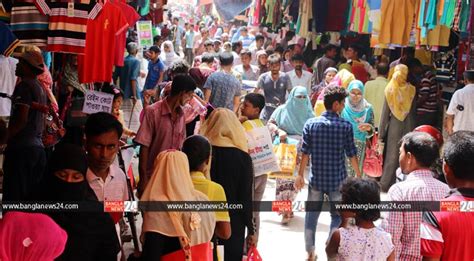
x=311, y=256
x=292, y=214
x=285, y=219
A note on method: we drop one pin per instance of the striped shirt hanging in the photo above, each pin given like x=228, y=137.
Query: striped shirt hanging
x=68, y=24
x=28, y=24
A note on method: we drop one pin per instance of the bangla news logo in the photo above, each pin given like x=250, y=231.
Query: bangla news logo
x=456, y=206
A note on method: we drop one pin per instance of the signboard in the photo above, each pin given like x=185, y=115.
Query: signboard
x=97, y=102
x=145, y=35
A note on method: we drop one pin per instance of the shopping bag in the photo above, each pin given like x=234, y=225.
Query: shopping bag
x=53, y=128
x=253, y=254
x=261, y=151
x=373, y=161
x=286, y=156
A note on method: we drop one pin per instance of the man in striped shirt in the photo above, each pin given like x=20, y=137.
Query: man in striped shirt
x=417, y=153
x=428, y=101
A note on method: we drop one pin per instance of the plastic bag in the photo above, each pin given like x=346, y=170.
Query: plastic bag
x=253, y=255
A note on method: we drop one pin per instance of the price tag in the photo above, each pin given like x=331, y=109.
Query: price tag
x=70, y=9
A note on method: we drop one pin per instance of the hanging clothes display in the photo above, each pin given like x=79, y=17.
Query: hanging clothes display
x=337, y=15
x=9, y=41
x=132, y=17
x=461, y=18
x=302, y=26
x=96, y=65
x=397, y=20
x=447, y=16
x=155, y=11
x=68, y=24
x=28, y=24
x=277, y=15
x=293, y=9
x=428, y=31
x=375, y=17
x=320, y=14
x=255, y=12
x=269, y=6
x=359, y=17
x=4, y=14
x=421, y=17
x=144, y=6
x=263, y=11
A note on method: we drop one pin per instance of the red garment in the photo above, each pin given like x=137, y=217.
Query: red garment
x=256, y=13
x=165, y=33
x=449, y=235
x=359, y=72
x=30, y=237
x=68, y=33
x=156, y=14
x=97, y=63
x=132, y=17
x=201, y=252
x=200, y=75
x=46, y=82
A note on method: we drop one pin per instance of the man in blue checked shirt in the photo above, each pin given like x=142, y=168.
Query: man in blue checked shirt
x=328, y=139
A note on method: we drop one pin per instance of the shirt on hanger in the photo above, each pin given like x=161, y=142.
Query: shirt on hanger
x=132, y=17
x=28, y=24
x=9, y=41
x=68, y=24
x=8, y=80
x=97, y=63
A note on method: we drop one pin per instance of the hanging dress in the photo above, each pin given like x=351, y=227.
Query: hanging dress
x=397, y=21
x=302, y=26
x=359, y=20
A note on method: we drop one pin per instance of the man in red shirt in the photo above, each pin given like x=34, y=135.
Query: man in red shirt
x=201, y=73
x=449, y=235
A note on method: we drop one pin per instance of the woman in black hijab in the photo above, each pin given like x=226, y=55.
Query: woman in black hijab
x=91, y=235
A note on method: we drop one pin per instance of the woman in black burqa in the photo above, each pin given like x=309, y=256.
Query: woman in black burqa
x=91, y=233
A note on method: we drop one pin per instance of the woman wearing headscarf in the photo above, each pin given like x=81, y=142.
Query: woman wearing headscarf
x=168, y=55
x=30, y=237
x=262, y=61
x=361, y=115
x=232, y=168
x=329, y=75
x=287, y=123
x=342, y=78
x=290, y=117
x=398, y=118
x=91, y=235
x=175, y=235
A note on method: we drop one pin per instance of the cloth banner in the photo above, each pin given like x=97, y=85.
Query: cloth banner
x=261, y=151
x=228, y=9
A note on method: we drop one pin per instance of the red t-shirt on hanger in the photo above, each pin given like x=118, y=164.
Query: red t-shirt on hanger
x=132, y=17
x=97, y=63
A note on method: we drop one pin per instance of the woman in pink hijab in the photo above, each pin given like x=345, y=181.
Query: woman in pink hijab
x=30, y=237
